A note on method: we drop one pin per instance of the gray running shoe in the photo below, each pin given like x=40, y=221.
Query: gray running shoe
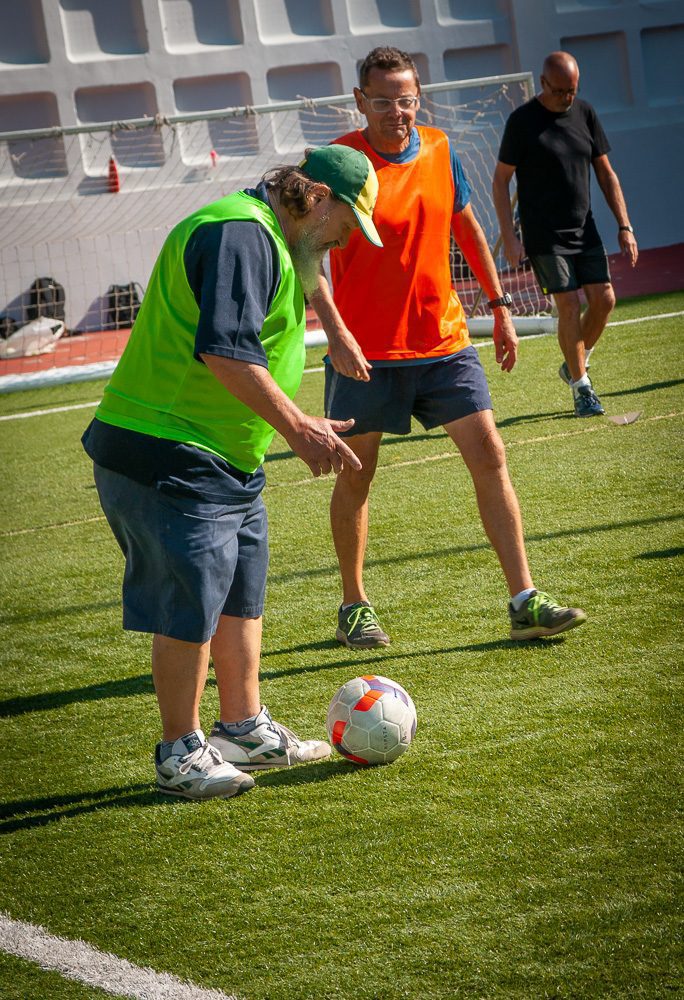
x=266, y=744
x=358, y=627
x=541, y=616
x=587, y=403
x=195, y=770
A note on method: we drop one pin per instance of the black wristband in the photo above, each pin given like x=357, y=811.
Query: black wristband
x=625, y=229
x=504, y=300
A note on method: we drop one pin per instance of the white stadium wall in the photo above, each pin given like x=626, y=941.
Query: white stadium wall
x=68, y=63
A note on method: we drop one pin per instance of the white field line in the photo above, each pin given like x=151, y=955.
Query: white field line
x=389, y=467
x=311, y=371
x=42, y=413
x=85, y=964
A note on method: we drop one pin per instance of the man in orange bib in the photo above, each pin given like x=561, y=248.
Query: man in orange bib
x=399, y=344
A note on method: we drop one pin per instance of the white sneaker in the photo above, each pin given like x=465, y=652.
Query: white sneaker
x=196, y=770
x=266, y=744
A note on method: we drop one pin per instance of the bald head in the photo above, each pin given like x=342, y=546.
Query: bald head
x=560, y=81
x=560, y=62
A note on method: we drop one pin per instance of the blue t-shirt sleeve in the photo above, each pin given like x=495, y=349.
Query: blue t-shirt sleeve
x=461, y=185
x=233, y=271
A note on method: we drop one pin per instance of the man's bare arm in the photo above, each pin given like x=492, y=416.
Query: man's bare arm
x=313, y=439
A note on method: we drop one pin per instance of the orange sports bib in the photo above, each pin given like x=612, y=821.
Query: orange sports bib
x=399, y=302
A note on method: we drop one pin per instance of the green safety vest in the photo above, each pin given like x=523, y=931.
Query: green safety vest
x=159, y=388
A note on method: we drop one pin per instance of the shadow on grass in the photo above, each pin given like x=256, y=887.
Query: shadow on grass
x=50, y=615
x=650, y=387
x=335, y=767
x=661, y=554
x=425, y=554
x=20, y=815
x=28, y=814
x=376, y=660
x=48, y=700
x=533, y=418
x=368, y=662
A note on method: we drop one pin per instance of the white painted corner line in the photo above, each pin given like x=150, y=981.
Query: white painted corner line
x=81, y=962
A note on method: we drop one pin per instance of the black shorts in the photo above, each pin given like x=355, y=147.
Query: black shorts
x=568, y=272
x=435, y=393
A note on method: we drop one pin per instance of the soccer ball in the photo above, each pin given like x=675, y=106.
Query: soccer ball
x=371, y=720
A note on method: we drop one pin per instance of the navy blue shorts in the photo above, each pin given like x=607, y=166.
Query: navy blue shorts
x=187, y=562
x=568, y=272
x=435, y=393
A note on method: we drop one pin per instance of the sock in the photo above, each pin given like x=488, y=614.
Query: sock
x=581, y=383
x=345, y=607
x=188, y=742
x=242, y=727
x=519, y=599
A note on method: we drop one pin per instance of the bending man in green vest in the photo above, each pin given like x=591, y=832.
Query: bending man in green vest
x=209, y=373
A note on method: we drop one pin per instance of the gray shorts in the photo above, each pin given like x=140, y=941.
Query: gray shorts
x=434, y=393
x=187, y=562
x=568, y=272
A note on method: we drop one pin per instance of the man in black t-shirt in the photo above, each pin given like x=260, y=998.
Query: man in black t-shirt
x=550, y=143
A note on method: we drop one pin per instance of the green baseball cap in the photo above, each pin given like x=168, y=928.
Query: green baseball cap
x=351, y=177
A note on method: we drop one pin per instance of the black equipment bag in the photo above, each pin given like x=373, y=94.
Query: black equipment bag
x=123, y=303
x=46, y=298
x=7, y=327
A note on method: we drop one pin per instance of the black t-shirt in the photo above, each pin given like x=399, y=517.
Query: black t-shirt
x=552, y=155
x=233, y=270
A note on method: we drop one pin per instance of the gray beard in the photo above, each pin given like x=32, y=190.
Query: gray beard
x=306, y=259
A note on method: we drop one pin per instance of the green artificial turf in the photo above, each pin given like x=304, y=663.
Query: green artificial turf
x=528, y=844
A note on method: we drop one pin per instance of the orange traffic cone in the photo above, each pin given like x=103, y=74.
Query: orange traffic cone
x=113, y=181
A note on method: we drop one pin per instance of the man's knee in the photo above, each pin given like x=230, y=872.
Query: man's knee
x=601, y=300
x=356, y=481
x=482, y=449
x=492, y=450
x=568, y=305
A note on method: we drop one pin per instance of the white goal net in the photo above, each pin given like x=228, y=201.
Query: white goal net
x=89, y=208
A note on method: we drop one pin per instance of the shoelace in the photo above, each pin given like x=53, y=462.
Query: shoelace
x=288, y=738
x=536, y=603
x=365, y=617
x=196, y=758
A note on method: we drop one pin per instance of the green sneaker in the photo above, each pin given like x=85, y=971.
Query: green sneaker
x=541, y=616
x=358, y=627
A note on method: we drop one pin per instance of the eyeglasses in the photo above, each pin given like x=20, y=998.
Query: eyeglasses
x=381, y=104
x=559, y=92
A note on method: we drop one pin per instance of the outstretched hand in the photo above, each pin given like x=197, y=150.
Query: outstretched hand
x=315, y=441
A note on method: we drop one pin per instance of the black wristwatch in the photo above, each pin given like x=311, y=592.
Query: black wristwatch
x=625, y=229
x=505, y=300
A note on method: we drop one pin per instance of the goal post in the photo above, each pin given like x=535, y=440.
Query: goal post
x=90, y=206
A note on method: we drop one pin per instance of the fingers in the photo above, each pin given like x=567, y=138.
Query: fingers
x=341, y=425
x=508, y=363
x=347, y=457
x=351, y=364
x=326, y=452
